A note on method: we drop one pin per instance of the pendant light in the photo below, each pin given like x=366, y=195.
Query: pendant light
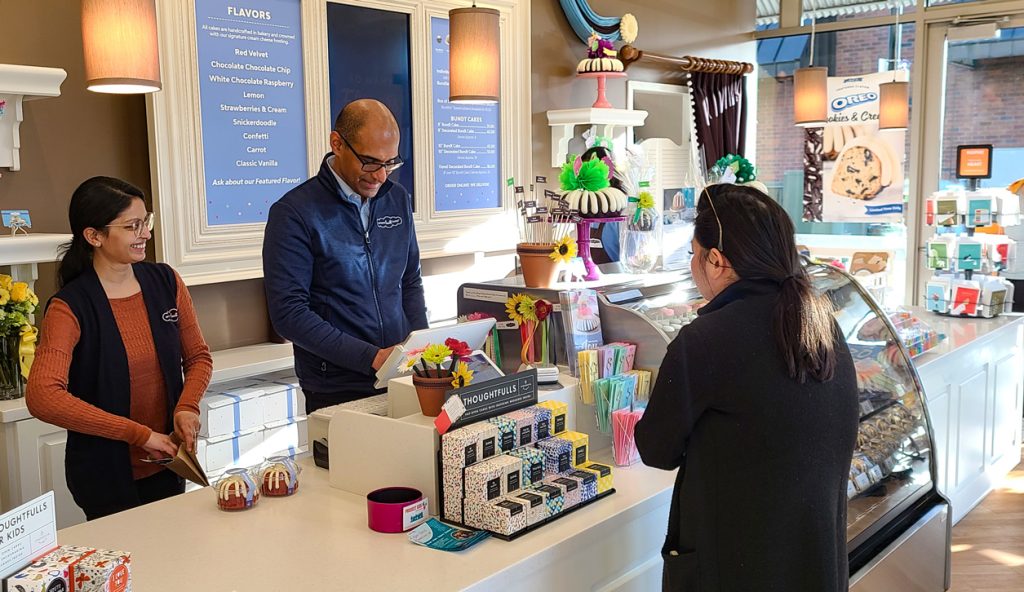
x=894, y=97
x=810, y=91
x=474, y=62
x=119, y=41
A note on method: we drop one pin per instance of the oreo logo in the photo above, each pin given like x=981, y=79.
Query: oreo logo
x=840, y=103
x=170, y=316
x=387, y=222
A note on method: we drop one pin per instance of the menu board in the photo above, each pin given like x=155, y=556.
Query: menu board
x=251, y=103
x=466, y=171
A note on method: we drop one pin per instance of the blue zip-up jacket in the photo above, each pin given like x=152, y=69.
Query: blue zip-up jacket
x=337, y=293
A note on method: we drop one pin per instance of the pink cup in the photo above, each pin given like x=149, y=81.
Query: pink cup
x=384, y=507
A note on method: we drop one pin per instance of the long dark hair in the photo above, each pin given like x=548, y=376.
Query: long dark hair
x=757, y=238
x=96, y=203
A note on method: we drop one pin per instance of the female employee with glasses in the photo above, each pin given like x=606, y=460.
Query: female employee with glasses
x=756, y=405
x=115, y=343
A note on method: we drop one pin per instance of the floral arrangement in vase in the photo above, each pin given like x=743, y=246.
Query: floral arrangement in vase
x=640, y=234
x=531, y=314
x=17, y=335
x=437, y=369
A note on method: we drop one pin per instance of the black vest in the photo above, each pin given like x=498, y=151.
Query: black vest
x=98, y=470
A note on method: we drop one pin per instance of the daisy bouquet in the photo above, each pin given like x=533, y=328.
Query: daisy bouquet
x=531, y=314
x=441, y=360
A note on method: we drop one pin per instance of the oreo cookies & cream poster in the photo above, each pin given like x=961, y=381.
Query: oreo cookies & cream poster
x=853, y=170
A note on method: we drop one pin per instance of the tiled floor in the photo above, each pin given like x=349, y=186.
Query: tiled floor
x=988, y=544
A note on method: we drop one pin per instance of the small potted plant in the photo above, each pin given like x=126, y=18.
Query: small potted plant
x=544, y=229
x=17, y=336
x=437, y=369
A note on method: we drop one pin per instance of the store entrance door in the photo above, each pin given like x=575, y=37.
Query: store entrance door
x=973, y=97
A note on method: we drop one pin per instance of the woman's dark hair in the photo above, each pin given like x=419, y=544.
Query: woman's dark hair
x=96, y=203
x=757, y=237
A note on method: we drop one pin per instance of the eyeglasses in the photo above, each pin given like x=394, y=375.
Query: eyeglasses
x=372, y=165
x=717, y=219
x=137, y=225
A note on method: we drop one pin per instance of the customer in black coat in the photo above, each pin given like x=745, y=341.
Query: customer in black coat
x=756, y=405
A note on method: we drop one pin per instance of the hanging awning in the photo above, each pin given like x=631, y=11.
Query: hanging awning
x=768, y=10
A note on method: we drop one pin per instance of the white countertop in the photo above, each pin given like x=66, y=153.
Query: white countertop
x=318, y=540
x=959, y=332
x=228, y=364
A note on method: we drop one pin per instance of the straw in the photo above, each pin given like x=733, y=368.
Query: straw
x=624, y=450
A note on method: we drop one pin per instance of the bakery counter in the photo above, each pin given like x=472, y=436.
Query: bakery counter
x=318, y=539
x=973, y=390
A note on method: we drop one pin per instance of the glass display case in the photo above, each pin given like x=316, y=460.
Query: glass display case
x=897, y=525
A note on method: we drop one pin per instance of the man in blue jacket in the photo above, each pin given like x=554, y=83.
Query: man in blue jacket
x=340, y=261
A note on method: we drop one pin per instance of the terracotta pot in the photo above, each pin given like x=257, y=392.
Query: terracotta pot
x=539, y=270
x=430, y=391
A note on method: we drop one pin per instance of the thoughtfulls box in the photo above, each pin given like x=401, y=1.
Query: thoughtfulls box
x=533, y=464
x=605, y=480
x=81, y=569
x=493, y=478
x=554, y=497
x=503, y=516
x=452, y=485
x=104, y=571
x=469, y=444
x=526, y=426
x=507, y=427
x=557, y=455
x=579, y=443
x=559, y=412
x=570, y=487
x=588, y=484
x=536, y=508
x=541, y=422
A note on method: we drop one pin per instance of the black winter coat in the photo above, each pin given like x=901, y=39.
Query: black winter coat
x=760, y=497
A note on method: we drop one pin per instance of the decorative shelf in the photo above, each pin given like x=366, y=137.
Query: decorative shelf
x=563, y=124
x=19, y=84
x=27, y=249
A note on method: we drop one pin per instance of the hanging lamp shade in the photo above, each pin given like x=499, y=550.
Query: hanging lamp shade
x=474, y=62
x=810, y=96
x=119, y=41
x=893, y=99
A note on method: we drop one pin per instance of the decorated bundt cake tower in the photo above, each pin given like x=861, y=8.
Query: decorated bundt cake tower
x=589, y=185
x=601, y=54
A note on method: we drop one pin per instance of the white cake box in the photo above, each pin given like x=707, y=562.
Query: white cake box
x=281, y=402
x=232, y=450
x=230, y=407
x=285, y=438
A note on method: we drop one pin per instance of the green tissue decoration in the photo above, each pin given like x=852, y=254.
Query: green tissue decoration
x=742, y=168
x=593, y=176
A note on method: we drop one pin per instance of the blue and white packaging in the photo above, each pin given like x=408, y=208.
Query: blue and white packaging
x=286, y=438
x=281, y=402
x=227, y=409
x=232, y=450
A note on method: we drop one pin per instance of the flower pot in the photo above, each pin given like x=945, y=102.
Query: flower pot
x=539, y=270
x=430, y=390
x=12, y=384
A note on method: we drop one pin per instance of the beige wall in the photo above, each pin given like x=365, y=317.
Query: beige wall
x=81, y=134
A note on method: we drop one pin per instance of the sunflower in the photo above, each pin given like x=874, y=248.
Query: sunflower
x=436, y=353
x=564, y=250
x=462, y=375
x=521, y=308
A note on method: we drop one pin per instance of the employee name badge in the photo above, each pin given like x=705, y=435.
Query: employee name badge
x=414, y=514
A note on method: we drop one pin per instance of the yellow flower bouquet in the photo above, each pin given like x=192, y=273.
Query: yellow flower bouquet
x=17, y=335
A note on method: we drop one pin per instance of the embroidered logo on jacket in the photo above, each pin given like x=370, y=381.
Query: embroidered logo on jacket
x=171, y=316
x=389, y=222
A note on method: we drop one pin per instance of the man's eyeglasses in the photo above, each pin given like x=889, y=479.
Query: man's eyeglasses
x=372, y=165
x=137, y=225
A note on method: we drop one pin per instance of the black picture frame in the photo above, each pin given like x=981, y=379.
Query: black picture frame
x=959, y=158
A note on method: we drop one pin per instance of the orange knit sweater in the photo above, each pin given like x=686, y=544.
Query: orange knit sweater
x=47, y=394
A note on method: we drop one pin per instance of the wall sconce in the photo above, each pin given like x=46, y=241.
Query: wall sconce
x=475, y=59
x=119, y=40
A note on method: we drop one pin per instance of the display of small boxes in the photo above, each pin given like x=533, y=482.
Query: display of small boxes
x=503, y=516
x=525, y=426
x=536, y=508
x=452, y=482
x=469, y=444
x=588, y=484
x=533, y=463
x=554, y=497
x=509, y=437
x=605, y=480
x=579, y=443
x=493, y=478
x=559, y=412
x=570, y=489
x=541, y=422
x=82, y=569
x=557, y=455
